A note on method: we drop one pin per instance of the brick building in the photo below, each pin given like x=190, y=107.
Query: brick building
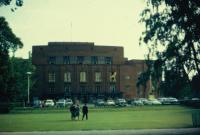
x=82, y=69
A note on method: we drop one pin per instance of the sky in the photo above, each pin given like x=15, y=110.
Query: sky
x=104, y=22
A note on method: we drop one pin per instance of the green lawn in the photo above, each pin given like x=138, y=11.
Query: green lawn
x=102, y=118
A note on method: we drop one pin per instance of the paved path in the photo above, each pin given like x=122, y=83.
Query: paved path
x=182, y=131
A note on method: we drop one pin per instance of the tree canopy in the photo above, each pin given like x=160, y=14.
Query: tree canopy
x=8, y=42
x=172, y=36
x=8, y=2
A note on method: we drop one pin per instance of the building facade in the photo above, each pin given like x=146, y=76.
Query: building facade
x=82, y=69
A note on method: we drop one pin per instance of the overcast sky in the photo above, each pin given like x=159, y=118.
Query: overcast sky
x=104, y=22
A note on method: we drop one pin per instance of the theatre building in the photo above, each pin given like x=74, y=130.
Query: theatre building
x=82, y=69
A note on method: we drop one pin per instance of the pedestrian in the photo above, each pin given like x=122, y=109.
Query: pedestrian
x=72, y=110
x=85, y=112
x=77, y=111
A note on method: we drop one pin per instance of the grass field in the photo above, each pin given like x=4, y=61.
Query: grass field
x=99, y=118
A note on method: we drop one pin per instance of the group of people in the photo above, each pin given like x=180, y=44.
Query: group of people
x=75, y=111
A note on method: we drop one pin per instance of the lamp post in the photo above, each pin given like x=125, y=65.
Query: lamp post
x=28, y=89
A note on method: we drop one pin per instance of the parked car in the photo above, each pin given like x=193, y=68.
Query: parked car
x=155, y=102
x=68, y=102
x=110, y=102
x=121, y=102
x=99, y=102
x=145, y=101
x=164, y=101
x=173, y=100
x=137, y=102
x=61, y=103
x=49, y=103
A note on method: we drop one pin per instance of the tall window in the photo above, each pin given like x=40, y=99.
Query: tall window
x=87, y=60
x=97, y=89
x=52, y=89
x=108, y=60
x=113, y=76
x=97, y=76
x=67, y=77
x=67, y=89
x=80, y=59
x=94, y=60
x=113, y=88
x=66, y=60
x=82, y=76
x=52, y=60
x=73, y=59
x=101, y=60
x=83, y=89
x=52, y=77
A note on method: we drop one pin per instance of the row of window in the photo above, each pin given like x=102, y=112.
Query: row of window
x=80, y=60
x=83, y=77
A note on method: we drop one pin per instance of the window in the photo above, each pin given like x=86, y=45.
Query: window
x=101, y=60
x=82, y=76
x=80, y=59
x=108, y=60
x=83, y=89
x=52, y=77
x=67, y=89
x=52, y=89
x=94, y=60
x=97, y=76
x=67, y=77
x=113, y=88
x=52, y=60
x=73, y=59
x=66, y=60
x=113, y=76
x=97, y=89
x=87, y=60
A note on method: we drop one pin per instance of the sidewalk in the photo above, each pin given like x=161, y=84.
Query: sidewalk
x=181, y=131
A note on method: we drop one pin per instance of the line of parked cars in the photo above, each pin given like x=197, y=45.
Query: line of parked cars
x=159, y=101
x=111, y=102
x=136, y=102
x=120, y=102
x=52, y=103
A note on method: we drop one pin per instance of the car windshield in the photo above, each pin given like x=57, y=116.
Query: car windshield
x=61, y=100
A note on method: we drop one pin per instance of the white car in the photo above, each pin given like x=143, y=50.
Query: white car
x=68, y=102
x=121, y=102
x=49, y=103
x=61, y=103
x=110, y=102
x=155, y=102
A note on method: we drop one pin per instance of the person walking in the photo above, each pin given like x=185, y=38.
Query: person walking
x=85, y=112
x=72, y=110
x=77, y=111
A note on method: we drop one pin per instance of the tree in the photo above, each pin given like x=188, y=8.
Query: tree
x=172, y=35
x=8, y=2
x=8, y=42
x=18, y=3
x=20, y=67
x=142, y=81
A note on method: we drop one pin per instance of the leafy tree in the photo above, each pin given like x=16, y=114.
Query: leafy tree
x=18, y=3
x=8, y=42
x=142, y=81
x=8, y=2
x=20, y=67
x=172, y=36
